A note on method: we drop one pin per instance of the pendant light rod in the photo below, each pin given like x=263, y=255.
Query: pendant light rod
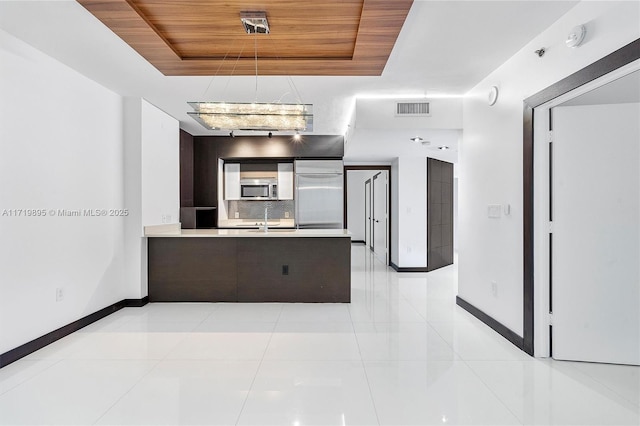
x=255, y=52
x=269, y=117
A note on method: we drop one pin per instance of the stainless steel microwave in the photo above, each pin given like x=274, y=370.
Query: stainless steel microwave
x=258, y=189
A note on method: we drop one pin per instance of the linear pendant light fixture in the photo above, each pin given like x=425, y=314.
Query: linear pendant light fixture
x=253, y=116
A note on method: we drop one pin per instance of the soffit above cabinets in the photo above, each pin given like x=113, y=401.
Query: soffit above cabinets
x=308, y=37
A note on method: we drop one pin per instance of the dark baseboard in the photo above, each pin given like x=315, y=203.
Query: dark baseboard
x=42, y=341
x=135, y=303
x=499, y=328
x=357, y=242
x=409, y=269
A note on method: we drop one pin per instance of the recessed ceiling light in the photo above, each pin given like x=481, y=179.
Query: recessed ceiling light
x=443, y=147
x=416, y=139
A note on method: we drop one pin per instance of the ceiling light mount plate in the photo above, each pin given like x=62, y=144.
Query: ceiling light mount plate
x=255, y=22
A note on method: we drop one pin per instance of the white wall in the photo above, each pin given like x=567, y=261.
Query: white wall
x=160, y=166
x=356, y=202
x=67, y=143
x=368, y=145
x=61, y=147
x=410, y=212
x=491, y=152
x=152, y=176
x=134, y=244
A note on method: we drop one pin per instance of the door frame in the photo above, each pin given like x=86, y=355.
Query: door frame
x=613, y=61
x=386, y=214
x=371, y=167
x=368, y=228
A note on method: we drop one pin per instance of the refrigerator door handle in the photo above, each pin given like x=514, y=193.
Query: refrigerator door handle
x=295, y=202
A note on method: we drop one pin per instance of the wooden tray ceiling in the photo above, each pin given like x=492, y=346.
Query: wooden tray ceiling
x=308, y=37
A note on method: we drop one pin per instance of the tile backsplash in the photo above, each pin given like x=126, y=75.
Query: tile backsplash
x=255, y=209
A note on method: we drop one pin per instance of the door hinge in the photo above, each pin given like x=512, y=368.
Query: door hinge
x=551, y=227
x=550, y=136
x=550, y=318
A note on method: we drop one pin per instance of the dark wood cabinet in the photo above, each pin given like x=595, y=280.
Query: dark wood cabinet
x=186, y=169
x=246, y=269
x=205, y=174
x=192, y=269
x=294, y=270
x=439, y=214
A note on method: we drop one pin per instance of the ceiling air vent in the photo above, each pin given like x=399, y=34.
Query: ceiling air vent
x=413, y=108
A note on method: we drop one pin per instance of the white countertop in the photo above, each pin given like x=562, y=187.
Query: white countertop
x=165, y=231
x=248, y=223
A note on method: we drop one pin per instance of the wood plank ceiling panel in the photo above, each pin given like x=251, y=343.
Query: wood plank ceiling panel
x=308, y=37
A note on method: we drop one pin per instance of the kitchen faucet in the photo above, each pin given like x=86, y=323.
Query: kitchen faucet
x=266, y=217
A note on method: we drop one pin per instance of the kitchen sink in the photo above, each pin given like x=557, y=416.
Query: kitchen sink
x=272, y=230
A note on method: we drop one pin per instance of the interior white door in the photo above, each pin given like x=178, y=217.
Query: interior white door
x=596, y=234
x=380, y=214
x=367, y=213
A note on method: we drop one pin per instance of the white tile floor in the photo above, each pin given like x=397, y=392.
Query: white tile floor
x=402, y=353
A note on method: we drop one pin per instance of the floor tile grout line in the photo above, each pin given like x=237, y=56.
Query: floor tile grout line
x=28, y=379
x=157, y=362
x=364, y=369
x=255, y=376
x=522, y=421
x=593, y=378
x=453, y=350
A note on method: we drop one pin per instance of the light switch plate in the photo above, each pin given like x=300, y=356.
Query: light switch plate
x=495, y=211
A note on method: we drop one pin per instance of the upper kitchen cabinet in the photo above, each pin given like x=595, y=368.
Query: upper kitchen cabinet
x=244, y=180
x=232, y=181
x=285, y=181
x=205, y=182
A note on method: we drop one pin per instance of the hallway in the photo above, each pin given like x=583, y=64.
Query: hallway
x=401, y=353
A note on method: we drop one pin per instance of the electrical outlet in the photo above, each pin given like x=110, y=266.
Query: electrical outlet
x=59, y=294
x=286, y=215
x=236, y=215
x=408, y=249
x=494, y=288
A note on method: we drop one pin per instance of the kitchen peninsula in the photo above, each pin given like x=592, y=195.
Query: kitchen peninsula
x=248, y=265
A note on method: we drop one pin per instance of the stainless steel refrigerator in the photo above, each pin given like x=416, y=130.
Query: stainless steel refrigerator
x=319, y=194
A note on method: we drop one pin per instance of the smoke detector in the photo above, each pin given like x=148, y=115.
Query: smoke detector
x=255, y=22
x=576, y=36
